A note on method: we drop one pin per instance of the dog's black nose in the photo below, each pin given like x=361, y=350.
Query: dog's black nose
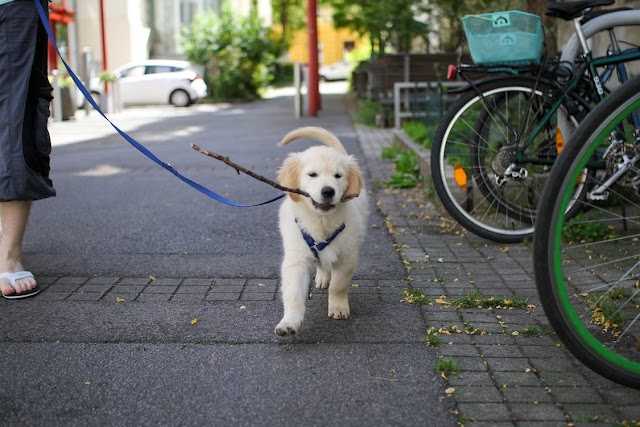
x=328, y=192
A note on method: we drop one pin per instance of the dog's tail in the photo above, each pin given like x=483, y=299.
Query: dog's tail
x=319, y=134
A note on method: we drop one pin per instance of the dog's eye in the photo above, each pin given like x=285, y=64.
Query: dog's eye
x=338, y=176
x=313, y=174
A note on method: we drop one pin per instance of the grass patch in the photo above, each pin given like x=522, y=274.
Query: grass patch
x=407, y=170
x=420, y=133
x=583, y=230
x=414, y=296
x=447, y=367
x=530, y=331
x=475, y=300
x=432, y=339
x=368, y=112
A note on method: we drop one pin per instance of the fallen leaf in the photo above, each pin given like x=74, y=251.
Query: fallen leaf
x=243, y=307
x=194, y=321
x=119, y=299
x=152, y=278
x=450, y=391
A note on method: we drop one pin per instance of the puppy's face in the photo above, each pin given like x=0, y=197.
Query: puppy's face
x=324, y=173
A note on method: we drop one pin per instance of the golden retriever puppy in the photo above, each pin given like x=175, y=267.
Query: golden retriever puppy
x=324, y=230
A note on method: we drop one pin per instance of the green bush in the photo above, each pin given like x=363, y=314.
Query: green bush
x=407, y=169
x=420, y=133
x=367, y=112
x=234, y=50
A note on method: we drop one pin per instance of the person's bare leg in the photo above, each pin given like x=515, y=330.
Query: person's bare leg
x=14, y=217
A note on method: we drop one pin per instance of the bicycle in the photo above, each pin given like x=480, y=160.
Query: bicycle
x=587, y=268
x=495, y=146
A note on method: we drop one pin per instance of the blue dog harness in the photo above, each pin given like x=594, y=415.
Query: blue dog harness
x=317, y=247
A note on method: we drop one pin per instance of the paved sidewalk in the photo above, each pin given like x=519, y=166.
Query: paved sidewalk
x=197, y=347
x=513, y=369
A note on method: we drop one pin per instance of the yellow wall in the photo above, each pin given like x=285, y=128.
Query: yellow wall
x=330, y=42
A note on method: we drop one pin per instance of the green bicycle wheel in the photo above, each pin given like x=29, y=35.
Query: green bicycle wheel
x=587, y=267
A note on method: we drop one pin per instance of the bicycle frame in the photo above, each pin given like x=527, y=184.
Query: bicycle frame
x=589, y=66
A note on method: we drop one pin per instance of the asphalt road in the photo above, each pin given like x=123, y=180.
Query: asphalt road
x=98, y=363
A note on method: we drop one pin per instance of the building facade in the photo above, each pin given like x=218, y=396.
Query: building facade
x=136, y=30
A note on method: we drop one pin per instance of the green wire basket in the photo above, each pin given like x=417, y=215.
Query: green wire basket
x=511, y=37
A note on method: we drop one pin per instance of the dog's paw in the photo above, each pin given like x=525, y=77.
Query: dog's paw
x=339, y=310
x=322, y=279
x=286, y=328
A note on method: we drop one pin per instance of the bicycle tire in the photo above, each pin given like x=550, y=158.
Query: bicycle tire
x=460, y=145
x=586, y=268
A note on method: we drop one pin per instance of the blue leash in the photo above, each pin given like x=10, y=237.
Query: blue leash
x=129, y=139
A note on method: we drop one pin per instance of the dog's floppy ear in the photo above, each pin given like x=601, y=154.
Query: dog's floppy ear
x=355, y=181
x=289, y=174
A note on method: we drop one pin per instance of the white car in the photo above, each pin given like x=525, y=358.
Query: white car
x=157, y=81
x=336, y=71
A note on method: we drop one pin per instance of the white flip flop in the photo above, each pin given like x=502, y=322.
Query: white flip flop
x=13, y=278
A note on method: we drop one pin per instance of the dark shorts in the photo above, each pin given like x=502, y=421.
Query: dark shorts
x=25, y=95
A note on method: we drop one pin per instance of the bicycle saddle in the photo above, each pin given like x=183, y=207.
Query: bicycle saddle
x=573, y=9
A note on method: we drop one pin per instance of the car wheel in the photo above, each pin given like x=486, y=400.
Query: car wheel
x=179, y=98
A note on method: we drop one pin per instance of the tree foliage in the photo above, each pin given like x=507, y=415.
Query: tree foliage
x=399, y=23
x=290, y=16
x=234, y=51
x=384, y=22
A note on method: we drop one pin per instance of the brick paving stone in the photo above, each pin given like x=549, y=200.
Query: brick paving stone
x=630, y=413
x=95, y=288
x=255, y=296
x=541, y=352
x=261, y=285
x=577, y=395
x=527, y=395
x=458, y=350
x=473, y=394
x=536, y=412
x=66, y=288
x=621, y=396
x=127, y=289
x=46, y=280
x=564, y=379
x=125, y=281
x=197, y=282
x=157, y=297
x=548, y=341
x=517, y=379
x=485, y=411
x=226, y=296
x=552, y=365
x=199, y=290
x=227, y=289
x=164, y=281
x=102, y=281
x=489, y=424
x=500, y=364
x=590, y=413
x=542, y=424
x=160, y=289
x=500, y=351
x=85, y=296
x=186, y=297
x=53, y=296
x=71, y=280
x=470, y=363
x=469, y=378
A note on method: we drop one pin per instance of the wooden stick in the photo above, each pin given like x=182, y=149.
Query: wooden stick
x=239, y=169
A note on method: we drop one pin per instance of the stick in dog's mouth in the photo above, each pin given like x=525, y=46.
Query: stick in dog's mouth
x=239, y=169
